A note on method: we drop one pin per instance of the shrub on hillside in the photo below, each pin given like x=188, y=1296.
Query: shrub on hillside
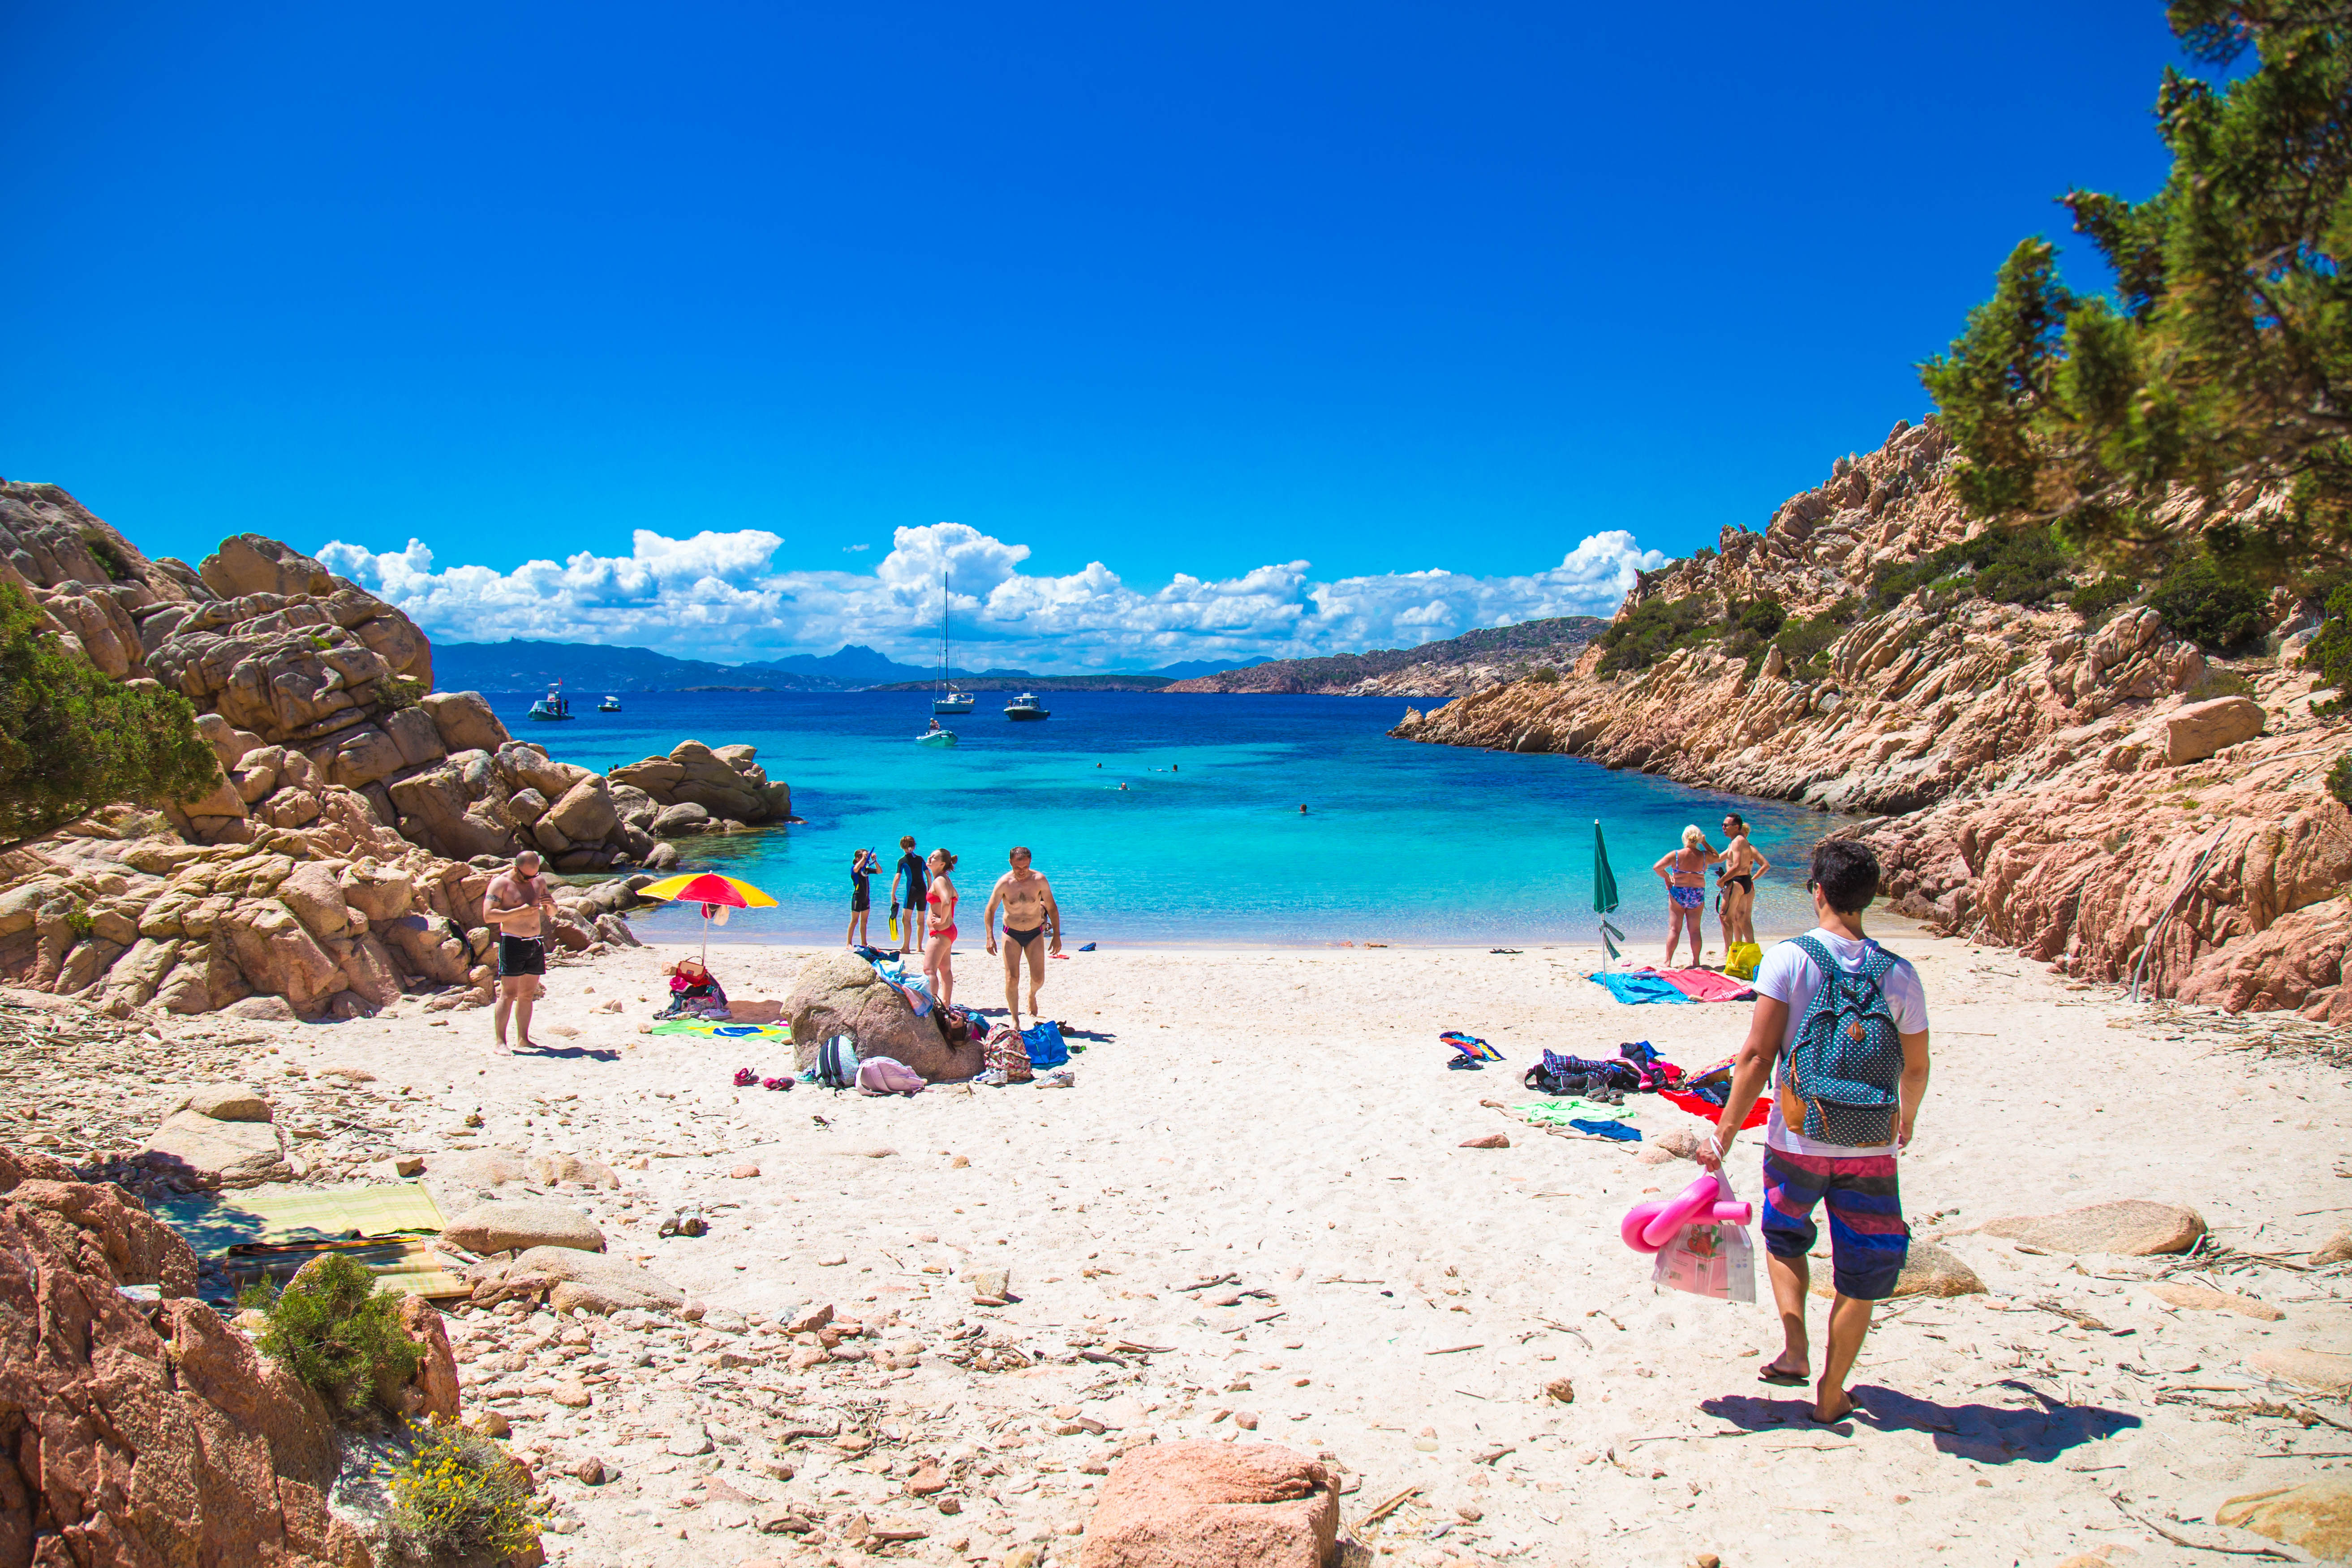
x=340, y=1335
x=2020, y=565
x=2339, y=779
x=2217, y=611
x=1654, y=629
x=1804, y=642
x=71, y=739
x=2094, y=600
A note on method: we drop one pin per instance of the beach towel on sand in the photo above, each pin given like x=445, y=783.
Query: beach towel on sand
x=1707, y=986
x=711, y=1030
x=1639, y=986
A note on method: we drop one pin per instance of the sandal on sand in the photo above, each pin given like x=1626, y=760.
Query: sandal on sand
x=1779, y=1379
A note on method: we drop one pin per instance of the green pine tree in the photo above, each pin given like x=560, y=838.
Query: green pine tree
x=2223, y=368
x=71, y=739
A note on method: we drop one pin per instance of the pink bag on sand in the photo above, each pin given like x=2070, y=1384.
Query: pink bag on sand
x=887, y=1075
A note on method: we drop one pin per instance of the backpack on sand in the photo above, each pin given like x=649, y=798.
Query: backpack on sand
x=836, y=1062
x=1840, y=1071
x=1006, y=1052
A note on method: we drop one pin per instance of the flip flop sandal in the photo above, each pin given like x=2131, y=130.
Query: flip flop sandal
x=1779, y=1379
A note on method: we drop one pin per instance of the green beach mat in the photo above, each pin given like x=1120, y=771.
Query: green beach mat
x=721, y=1031
x=1560, y=1112
x=281, y=1213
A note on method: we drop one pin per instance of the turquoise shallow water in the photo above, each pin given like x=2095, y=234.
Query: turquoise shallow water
x=1402, y=843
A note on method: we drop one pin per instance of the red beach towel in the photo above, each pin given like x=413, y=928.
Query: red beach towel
x=1707, y=986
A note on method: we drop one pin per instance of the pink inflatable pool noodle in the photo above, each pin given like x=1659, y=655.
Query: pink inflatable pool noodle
x=1649, y=1226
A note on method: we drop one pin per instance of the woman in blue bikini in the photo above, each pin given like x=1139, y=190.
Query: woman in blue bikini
x=1684, y=871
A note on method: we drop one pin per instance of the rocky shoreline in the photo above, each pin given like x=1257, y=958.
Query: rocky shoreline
x=2103, y=796
x=339, y=861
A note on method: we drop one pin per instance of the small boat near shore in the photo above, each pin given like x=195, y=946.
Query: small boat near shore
x=552, y=708
x=610, y=705
x=1026, y=707
x=936, y=737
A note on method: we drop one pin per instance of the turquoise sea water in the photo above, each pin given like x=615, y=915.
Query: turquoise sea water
x=1401, y=843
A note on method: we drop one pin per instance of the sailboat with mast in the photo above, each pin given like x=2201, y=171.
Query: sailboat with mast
x=948, y=700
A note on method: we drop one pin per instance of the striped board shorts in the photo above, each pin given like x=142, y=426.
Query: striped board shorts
x=1868, y=1240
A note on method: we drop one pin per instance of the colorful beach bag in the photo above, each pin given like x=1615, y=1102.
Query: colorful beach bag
x=1043, y=1041
x=1742, y=961
x=1004, y=1052
x=836, y=1062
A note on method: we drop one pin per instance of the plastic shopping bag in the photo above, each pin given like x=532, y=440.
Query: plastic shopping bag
x=1711, y=1259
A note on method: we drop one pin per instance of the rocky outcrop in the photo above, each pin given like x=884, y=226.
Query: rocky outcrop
x=1214, y=1505
x=153, y=1433
x=339, y=859
x=839, y=994
x=2101, y=795
x=697, y=789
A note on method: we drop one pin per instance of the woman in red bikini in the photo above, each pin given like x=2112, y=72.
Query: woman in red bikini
x=939, y=950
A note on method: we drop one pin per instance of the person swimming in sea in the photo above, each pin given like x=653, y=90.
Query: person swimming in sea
x=1684, y=873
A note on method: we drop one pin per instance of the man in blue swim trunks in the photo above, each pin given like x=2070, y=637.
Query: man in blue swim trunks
x=1856, y=1184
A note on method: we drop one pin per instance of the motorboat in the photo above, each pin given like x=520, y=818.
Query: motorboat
x=610, y=705
x=1026, y=706
x=552, y=708
x=935, y=736
x=948, y=700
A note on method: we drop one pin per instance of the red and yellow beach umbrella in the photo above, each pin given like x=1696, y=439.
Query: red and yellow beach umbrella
x=713, y=891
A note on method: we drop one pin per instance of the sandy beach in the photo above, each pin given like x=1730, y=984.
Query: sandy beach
x=1281, y=1122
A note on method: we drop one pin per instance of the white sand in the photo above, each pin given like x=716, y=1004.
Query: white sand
x=1285, y=1116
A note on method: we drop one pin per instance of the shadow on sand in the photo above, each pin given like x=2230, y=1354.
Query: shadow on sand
x=1987, y=1433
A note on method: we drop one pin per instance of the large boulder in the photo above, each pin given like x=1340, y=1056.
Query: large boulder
x=2132, y=1229
x=2195, y=732
x=315, y=893
x=574, y=1278
x=193, y=1147
x=729, y=782
x=137, y=1434
x=278, y=956
x=839, y=994
x=1927, y=1270
x=1214, y=1505
x=2315, y=1516
x=681, y=821
x=515, y=1226
x=251, y=564
x=105, y=1232
x=584, y=814
x=465, y=721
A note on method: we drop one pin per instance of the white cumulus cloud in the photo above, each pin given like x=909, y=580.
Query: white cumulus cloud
x=723, y=596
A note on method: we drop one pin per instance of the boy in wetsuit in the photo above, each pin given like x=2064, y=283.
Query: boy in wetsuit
x=915, y=880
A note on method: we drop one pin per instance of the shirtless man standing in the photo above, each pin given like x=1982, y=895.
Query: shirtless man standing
x=514, y=904
x=1031, y=916
x=1739, y=866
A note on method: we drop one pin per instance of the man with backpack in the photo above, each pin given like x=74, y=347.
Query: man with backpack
x=1846, y=1024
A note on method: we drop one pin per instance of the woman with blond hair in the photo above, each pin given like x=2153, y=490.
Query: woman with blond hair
x=1684, y=873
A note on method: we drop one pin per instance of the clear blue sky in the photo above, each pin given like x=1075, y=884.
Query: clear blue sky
x=1181, y=290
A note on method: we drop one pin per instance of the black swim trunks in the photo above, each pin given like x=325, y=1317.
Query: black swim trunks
x=1024, y=938
x=521, y=955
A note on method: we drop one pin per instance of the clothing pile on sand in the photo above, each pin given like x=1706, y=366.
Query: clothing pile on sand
x=1037, y=1054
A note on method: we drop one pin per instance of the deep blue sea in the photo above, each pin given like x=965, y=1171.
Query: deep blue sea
x=1206, y=844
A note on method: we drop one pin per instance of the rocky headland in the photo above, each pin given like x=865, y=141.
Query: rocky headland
x=2093, y=790
x=339, y=860
x=1472, y=662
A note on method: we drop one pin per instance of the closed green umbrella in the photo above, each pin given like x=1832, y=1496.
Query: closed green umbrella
x=1604, y=895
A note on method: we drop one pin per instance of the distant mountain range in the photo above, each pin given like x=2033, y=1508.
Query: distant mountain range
x=521, y=666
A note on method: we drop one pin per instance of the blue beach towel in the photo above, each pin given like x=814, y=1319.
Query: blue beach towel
x=1635, y=989
x=1617, y=1129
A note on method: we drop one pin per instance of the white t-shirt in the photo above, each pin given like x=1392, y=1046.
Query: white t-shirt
x=1788, y=975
